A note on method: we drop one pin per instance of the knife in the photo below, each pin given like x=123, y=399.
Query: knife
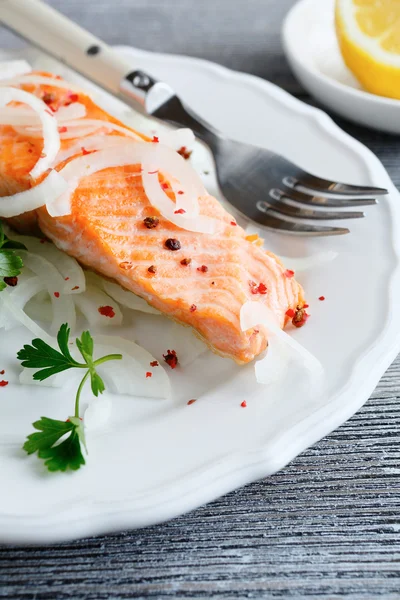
x=60, y=37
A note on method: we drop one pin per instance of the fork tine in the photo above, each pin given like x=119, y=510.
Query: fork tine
x=320, y=201
x=274, y=223
x=334, y=188
x=298, y=212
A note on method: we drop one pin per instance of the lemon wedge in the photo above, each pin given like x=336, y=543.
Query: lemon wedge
x=369, y=37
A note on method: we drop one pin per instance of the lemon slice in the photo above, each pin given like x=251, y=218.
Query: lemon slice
x=369, y=37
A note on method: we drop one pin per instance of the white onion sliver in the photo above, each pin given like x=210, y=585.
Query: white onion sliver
x=51, y=138
x=90, y=302
x=42, y=80
x=128, y=299
x=99, y=124
x=63, y=306
x=94, y=142
x=160, y=200
x=22, y=317
x=60, y=380
x=17, y=115
x=97, y=413
x=70, y=134
x=254, y=314
x=272, y=367
x=13, y=68
x=25, y=290
x=173, y=164
x=6, y=320
x=75, y=110
x=167, y=161
x=46, y=192
x=22, y=117
x=26, y=131
x=39, y=309
x=128, y=376
x=66, y=265
x=73, y=133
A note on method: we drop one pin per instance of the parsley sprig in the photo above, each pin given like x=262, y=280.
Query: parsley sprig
x=10, y=263
x=66, y=454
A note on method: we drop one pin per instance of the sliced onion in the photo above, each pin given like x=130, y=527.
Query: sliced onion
x=40, y=309
x=93, y=300
x=97, y=413
x=177, y=139
x=73, y=133
x=75, y=126
x=70, y=134
x=160, y=200
x=13, y=68
x=17, y=115
x=22, y=117
x=173, y=165
x=75, y=110
x=72, y=274
x=20, y=295
x=46, y=192
x=7, y=321
x=60, y=380
x=163, y=159
x=128, y=376
x=19, y=315
x=42, y=80
x=51, y=138
x=25, y=290
x=53, y=282
x=95, y=142
x=255, y=314
x=128, y=299
x=167, y=161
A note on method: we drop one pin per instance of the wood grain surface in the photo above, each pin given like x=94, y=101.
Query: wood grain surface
x=328, y=525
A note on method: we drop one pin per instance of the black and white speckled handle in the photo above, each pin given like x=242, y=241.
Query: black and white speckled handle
x=65, y=40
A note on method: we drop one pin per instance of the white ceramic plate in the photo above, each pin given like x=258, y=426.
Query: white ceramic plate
x=158, y=459
x=313, y=52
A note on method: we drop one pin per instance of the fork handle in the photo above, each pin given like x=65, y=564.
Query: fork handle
x=57, y=35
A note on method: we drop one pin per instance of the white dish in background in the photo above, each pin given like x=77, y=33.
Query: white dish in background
x=157, y=459
x=311, y=47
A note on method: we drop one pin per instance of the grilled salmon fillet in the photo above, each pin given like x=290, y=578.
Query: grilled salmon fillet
x=199, y=280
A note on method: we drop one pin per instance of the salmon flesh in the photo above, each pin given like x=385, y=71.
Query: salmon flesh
x=199, y=280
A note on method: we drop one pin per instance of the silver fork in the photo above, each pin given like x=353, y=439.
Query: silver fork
x=261, y=185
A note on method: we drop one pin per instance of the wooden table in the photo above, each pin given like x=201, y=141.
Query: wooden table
x=328, y=525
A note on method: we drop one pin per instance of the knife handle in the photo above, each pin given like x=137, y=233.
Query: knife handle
x=71, y=44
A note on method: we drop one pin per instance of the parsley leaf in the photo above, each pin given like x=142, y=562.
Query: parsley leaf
x=10, y=263
x=42, y=356
x=85, y=347
x=13, y=245
x=60, y=457
x=66, y=454
x=5, y=241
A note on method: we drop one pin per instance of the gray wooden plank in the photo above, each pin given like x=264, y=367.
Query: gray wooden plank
x=327, y=526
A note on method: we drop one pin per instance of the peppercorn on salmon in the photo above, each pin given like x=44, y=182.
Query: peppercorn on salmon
x=198, y=279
